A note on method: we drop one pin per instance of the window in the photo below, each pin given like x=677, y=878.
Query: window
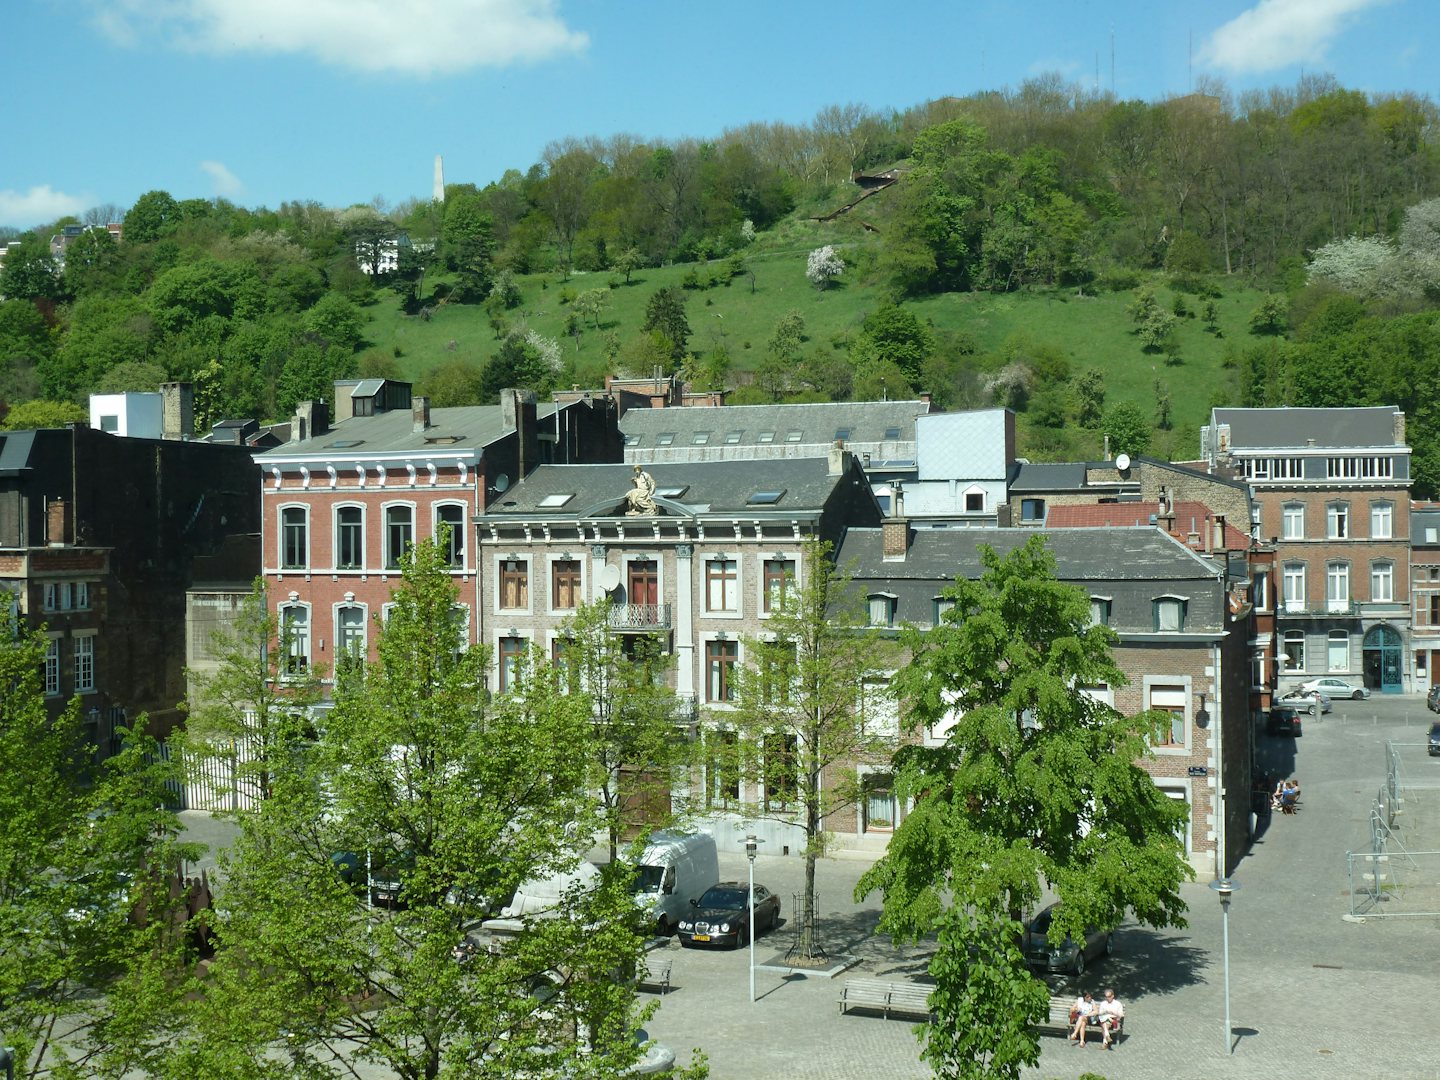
x=700, y=438
x=1032, y=511
x=1292, y=652
x=349, y=538
x=1257, y=671
x=1292, y=521
x=1337, y=586
x=1169, y=614
x=1359, y=468
x=943, y=604
x=1382, y=521
x=1171, y=700
x=399, y=534
x=733, y=437
x=84, y=665
x=452, y=517
x=722, y=768
x=565, y=663
x=842, y=434
x=511, y=656
x=350, y=632
x=565, y=584
x=722, y=585
x=880, y=811
x=1382, y=582
x=1099, y=611
x=1261, y=590
x=766, y=437
x=52, y=667
x=879, y=710
x=777, y=573
x=665, y=438
x=720, y=660
x=66, y=596
x=1337, y=651
x=882, y=609
x=777, y=673
x=794, y=436
x=974, y=502
x=642, y=584
x=294, y=538
x=1337, y=521
x=514, y=583
x=781, y=777
x=1294, y=581
x=295, y=634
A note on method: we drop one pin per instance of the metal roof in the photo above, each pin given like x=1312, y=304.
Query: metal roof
x=468, y=427
x=1298, y=428
x=817, y=423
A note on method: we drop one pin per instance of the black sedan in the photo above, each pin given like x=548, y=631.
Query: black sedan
x=1069, y=956
x=720, y=916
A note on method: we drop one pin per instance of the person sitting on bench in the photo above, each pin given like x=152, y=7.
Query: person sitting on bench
x=1289, y=797
x=1080, y=1014
x=1112, y=1015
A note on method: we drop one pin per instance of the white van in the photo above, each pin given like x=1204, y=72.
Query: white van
x=673, y=869
x=539, y=897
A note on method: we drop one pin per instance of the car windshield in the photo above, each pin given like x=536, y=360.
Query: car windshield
x=647, y=879
x=723, y=898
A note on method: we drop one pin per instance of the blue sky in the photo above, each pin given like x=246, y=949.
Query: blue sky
x=341, y=101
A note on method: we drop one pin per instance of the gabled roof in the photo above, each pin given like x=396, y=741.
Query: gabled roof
x=468, y=427
x=1189, y=517
x=703, y=487
x=1045, y=477
x=1297, y=428
x=818, y=424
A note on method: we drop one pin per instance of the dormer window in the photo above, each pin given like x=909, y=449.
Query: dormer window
x=1170, y=614
x=882, y=609
x=1099, y=611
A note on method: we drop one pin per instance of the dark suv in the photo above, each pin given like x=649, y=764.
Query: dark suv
x=1435, y=739
x=1432, y=699
x=1283, y=720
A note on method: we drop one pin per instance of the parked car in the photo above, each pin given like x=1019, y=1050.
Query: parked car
x=1312, y=701
x=1068, y=956
x=1432, y=699
x=1337, y=688
x=1435, y=739
x=721, y=915
x=1283, y=720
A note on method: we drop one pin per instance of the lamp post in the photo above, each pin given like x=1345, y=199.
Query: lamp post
x=7, y=1059
x=752, y=844
x=1226, y=887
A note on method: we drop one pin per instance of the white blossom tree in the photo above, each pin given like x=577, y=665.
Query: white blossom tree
x=824, y=266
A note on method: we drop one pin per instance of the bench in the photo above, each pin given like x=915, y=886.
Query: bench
x=905, y=998
x=657, y=973
x=1058, y=1022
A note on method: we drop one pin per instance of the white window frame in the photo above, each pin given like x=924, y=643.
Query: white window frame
x=337, y=532
x=526, y=559
x=305, y=639
x=1168, y=686
x=84, y=661
x=392, y=559
x=705, y=642
x=974, y=489
x=579, y=559
x=1337, y=586
x=1293, y=575
x=499, y=678
x=897, y=805
x=738, y=586
x=1292, y=521
x=280, y=513
x=461, y=531
x=1179, y=790
x=1260, y=591
x=344, y=633
x=1283, y=657
x=1382, y=521
x=1337, y=521
x=51, y=665
x=1382, y=581
x=1343, y=664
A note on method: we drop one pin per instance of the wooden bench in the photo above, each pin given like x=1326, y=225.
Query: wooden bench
x=1058, y=1022
x=657, y=973
x=905, y=998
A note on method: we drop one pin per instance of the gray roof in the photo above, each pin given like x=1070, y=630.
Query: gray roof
x=818, y=424
x=1294, y=428
x=717, y=487
x=15, y=450
x=461, y=428
x=1042, y=477
x=1425, y=526
x=1119, y=554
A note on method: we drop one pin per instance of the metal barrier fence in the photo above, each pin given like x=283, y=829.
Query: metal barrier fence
x=213, y=782
x=1388, y=880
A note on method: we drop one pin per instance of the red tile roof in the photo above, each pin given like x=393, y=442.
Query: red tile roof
x=1188, y=515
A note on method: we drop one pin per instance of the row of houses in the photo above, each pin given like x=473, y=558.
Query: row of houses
x=1289, y=548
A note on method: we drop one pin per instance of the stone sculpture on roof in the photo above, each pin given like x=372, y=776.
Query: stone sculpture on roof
x=641, y=497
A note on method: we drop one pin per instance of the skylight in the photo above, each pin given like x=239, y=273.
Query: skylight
x=632, y=440
x=767, y=436
x=551, y=502
x=766, y=498
x=794, y=436
x=733, y=436
x=665, y=438
x=700, y=438
x=892, y=433
x=673, y=492
x=343, y=444
x=842, y=434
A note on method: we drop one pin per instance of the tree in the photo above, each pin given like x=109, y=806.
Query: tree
x=1089, y=392
x=1035, y=787
x=155, y=215
x=1128, y=429
x=462, y=797
x=635, y=741
x=30, y=415
x=453, y=381
x=665, y=313
x=250, y=710
x=29, y=272
x=369, y=237
x=823, y=267
x=1270, y=316
x=591, y=303
x=809, y=705
x=505, y=291
x=899, y=337
x=468, y=245
x=627, y=262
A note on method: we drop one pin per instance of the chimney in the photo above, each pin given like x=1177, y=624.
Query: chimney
x=312, y=418
x=57, y=522
x=517, y=413
x=839, y=458
x=1192, y=538
x=420, y=413
x=895, y=529
x=1399, y=428
x=177, y=410
x=1218, y=544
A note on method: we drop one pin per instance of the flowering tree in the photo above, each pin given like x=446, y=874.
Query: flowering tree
x=824, y=266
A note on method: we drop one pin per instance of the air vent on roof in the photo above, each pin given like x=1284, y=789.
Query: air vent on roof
x=766, y=498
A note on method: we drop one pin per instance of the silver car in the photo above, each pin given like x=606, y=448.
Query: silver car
x=1337, y=688
x=1314, y=702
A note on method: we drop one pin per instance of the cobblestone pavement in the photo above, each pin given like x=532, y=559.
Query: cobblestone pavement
x=1312, y=994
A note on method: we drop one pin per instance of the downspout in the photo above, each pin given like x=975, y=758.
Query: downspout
x=1221, y=863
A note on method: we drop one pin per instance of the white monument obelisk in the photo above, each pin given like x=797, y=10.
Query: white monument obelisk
x=439, y=195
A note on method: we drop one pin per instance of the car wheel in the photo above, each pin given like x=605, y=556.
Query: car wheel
x=1358, y=695
x=1109, y=944
x=1079, y=968
x=662, y=927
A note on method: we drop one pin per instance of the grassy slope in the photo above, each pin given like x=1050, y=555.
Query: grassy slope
x=1093, y=330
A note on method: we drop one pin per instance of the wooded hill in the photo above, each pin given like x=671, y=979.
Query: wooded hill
x=1100, y=266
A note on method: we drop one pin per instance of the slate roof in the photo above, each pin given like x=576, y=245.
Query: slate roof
x=393, y=432
x=1080, y=554
x=1292, y=428
x=15, y=450
x=1422, y=518
x=715, y=487
x=1046, y=477
x=867, y=422
x=1188, y=515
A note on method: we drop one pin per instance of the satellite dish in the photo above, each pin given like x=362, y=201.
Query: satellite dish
x=502, y=483
x=608, y=578
x=1122, y=461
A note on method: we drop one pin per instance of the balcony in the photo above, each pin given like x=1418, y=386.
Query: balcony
x=1318, y=609
x=639, y=618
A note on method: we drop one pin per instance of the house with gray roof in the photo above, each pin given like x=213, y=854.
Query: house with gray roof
x=1182, y=649
x=1425, y=592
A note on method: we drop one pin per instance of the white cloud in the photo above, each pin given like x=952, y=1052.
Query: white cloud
x=1280, y=33
x=227, y=184
x=411, y=37
x=38, y=206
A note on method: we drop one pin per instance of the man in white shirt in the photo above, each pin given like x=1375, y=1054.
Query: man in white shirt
x=1111, y=1014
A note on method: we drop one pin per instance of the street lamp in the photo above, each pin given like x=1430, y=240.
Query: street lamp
x=1226, y=887
x=752, y=844
x=7, y=1059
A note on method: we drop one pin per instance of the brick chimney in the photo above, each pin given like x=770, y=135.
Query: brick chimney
x=895, y=529
x=57, y=522
x=420, y=413
x=177, y=410
x=1399, y=428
